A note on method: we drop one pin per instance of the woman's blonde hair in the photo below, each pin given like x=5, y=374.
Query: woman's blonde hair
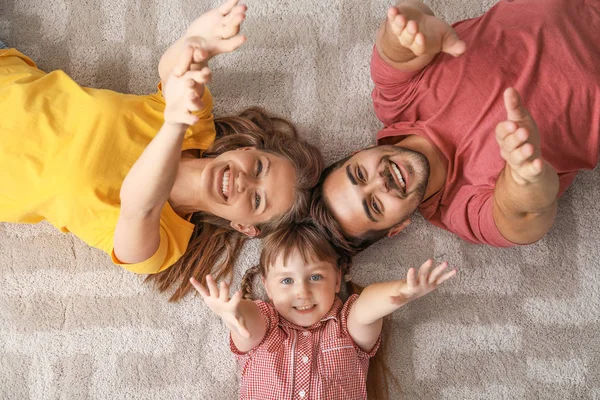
x=312, y=243
x=215, y=245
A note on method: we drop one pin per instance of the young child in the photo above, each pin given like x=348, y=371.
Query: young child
x=305, y=343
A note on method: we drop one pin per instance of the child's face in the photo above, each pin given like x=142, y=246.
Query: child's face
x=302, y=292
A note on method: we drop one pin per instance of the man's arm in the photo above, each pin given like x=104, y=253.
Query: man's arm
x=242, y=317
x=526, y=192
x=380, y=299
x=411, y=36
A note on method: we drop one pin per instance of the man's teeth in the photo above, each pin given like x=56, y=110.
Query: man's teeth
x=225, y=188
x=399, y=175
x=303, y=308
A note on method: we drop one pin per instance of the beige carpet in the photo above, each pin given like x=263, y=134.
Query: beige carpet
x=515, y=324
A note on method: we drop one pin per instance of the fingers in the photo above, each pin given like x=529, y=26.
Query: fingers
x=514, y=107
x=396, y=21
x=224, y=292
x=229, y=45
x=233, y=21
x=212, y=286
x=226, y=7
x=446, y=276
x=201, y=289
x=424, y=271
x=411, y=278
x=185, y=60
x=453, y=45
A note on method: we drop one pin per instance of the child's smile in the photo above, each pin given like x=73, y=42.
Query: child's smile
x=302, y=292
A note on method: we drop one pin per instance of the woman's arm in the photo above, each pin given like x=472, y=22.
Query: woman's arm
x=242, y=317
x=380, y=299
x=148, y=184
x=219, y=29
x=411, y=36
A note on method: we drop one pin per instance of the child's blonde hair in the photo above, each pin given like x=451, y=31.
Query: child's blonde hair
x=312, y=244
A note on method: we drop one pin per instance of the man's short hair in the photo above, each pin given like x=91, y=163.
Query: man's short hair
x=320, y=211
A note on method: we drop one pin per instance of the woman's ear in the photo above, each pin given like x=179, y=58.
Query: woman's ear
x=248, y=230
x=246, y=148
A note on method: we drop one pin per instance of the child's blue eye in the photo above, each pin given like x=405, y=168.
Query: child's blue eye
x=287, y=281
x=315, y=278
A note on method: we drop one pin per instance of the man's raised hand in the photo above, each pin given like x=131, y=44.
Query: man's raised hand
x=519, y=140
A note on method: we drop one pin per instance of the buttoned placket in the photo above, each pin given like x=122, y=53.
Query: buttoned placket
x=302, y=365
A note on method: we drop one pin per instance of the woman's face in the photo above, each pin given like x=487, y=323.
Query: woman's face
x=248, y=186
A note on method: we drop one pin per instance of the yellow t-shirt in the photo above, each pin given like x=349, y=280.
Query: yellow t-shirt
x=65, y=151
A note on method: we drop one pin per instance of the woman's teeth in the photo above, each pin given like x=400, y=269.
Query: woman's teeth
x=225, y=188
x=398, y=175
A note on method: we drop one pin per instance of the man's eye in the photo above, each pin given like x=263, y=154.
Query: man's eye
x=315, y=278
x=256, y=200
x=287, y=281
x=259, y=168
x=376, y=207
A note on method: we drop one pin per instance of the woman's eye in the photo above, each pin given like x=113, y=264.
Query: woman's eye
x=256, y=200
x=315, y=278
x=360, y=175
x=259, y=168
x=287, y=281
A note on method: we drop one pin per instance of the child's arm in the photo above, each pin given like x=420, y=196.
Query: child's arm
x=148, y=184
x=380, y=299
x=218, y=27
x=242, y=317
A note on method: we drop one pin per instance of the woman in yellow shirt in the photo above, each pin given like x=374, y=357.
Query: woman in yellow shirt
x=139, y=176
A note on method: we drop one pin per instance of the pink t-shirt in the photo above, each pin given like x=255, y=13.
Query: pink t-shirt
x=318, y=362
x=548, y=50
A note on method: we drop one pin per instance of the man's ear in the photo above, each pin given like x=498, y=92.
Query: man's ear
x=396, y=229
x=248, y=230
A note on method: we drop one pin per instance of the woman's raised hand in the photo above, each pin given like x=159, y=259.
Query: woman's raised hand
x=217, y=299
x=420, y=283
x=184, y=89
x=220, y=28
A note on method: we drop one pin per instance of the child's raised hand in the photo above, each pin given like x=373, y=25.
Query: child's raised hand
x=220, y=27
x=217, y=299
x=184, y=88
x=420, y=283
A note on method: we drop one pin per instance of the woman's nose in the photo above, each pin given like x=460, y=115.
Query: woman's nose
x=244, y=182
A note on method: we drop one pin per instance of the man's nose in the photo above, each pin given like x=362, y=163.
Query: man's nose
x=377, y=184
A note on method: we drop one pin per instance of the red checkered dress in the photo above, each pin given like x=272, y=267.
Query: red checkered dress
x=318, y=362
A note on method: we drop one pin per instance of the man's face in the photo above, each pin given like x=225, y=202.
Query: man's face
x=376, y=188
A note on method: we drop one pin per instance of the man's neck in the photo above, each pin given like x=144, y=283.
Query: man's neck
x=437, y=164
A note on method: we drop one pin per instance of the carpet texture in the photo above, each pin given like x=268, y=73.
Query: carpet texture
x=515, y=324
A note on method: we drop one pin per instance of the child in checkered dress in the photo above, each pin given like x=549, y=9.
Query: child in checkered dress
x=305, y=343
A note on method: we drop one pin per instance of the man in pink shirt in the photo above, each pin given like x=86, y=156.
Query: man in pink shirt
x=486, y=124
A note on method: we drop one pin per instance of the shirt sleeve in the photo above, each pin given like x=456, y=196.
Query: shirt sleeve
x=344, y=321
x=471, y=217
x=271, y=318
x=394, y=89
